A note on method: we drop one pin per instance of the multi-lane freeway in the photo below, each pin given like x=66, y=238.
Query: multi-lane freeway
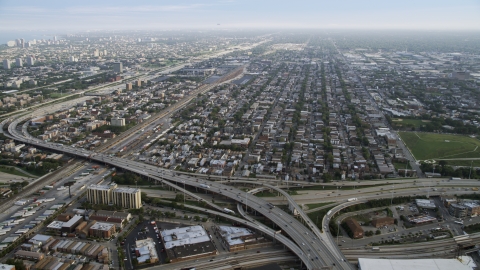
x=309, y=248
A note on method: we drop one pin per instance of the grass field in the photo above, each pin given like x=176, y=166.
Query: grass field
x=398, y=165
x=317, y=205
x=266, y=194
x=402, y=122
x=441, y=146
x=11, y=170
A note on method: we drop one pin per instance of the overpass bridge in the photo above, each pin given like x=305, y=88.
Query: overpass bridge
x=315, y=254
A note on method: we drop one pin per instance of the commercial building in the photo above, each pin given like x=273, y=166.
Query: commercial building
x=457, y=210
x=236, y=238
x=69, y=226
x=427, y=204
x=421, y=220
x=114, y=214
x=473, y=208
x=355, y=228
x=40, y=238
x=187, y=243
x=447, y=200
x=117, y=222
x=380, y=222
x=118, y=67
x=6, y=64
x=102, y=230
x=146, y=251
x=118, y=122
x=100, y=194
x=431, y=264
x=127, y=197
x=55, y=225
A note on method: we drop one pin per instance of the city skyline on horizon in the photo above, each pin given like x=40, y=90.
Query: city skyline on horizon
x=231, y=14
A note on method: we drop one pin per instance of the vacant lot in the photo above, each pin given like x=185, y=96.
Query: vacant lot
x=441, y=146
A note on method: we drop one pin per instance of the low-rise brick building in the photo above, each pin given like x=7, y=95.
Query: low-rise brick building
x=384, y=221
x=355, y=228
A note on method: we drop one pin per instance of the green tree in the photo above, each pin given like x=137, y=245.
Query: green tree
x=327, y=177
x=179, y=198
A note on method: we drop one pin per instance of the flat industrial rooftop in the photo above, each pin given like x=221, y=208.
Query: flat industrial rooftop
x=423, y=264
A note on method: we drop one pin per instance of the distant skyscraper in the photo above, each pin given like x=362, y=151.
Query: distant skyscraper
x=54, y=38
x=19, y=62
x=118, y=67
x=19, y=43
x=96, y=53
x=73, y=59
x=6, y=64
x=104, y=52
x=30, y=61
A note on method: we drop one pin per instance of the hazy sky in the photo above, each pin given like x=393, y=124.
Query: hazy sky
x=66, y=15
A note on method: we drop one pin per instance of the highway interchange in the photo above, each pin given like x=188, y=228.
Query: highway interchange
x=314, y=253
x=321, y=251
x=316, y=248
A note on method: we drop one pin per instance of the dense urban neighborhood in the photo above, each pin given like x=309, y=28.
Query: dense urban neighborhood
x=276, y=150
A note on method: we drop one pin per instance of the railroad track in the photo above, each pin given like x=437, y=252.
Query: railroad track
x=236, y=262
x=444, y=247
x=169, y=110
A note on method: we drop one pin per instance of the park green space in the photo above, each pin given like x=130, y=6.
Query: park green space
x=441, y=146
x=11, y=170
x=317, y=205
x=409, y=122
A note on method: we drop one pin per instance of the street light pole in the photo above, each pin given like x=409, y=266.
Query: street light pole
x=391, y=201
